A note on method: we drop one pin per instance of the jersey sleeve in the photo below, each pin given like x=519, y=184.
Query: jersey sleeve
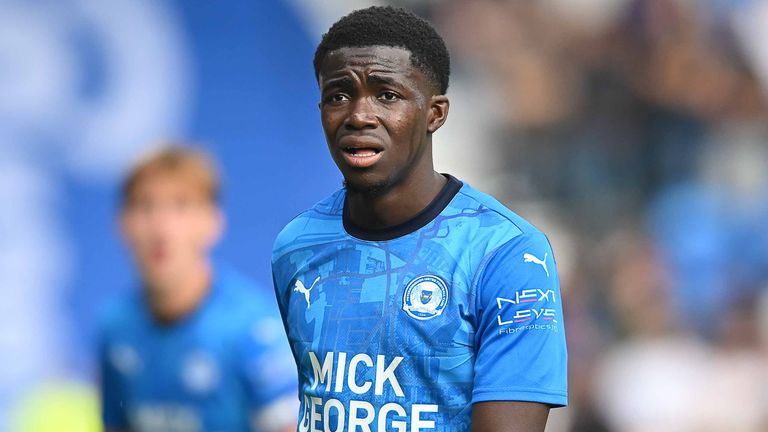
x=521, y=349
x=113, y=413
x=270, y=376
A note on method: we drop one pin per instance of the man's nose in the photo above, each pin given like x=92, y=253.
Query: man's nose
x=362, y=115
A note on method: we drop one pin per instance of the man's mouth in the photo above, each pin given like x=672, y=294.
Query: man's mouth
x=361, y=157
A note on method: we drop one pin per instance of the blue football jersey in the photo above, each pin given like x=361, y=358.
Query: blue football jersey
x=220, y=369
x=405, y=328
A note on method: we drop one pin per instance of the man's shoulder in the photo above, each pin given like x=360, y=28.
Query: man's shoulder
x=239, y=296
x=321, y=217
x=492, y=214
x=244, y=311
x=121, y=314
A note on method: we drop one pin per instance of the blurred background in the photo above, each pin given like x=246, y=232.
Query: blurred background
x=633, y=132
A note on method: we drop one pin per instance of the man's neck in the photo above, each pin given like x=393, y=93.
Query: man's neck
x=170, y=301
x=396, y=206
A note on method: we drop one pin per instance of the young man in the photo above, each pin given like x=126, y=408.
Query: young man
x=412, y=301
x=197, y=348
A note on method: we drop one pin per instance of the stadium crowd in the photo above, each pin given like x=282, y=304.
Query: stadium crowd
x=634, y=131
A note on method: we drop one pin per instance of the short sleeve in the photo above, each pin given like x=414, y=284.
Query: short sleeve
x=270, y=376
x=521, y=349
x=113, y=411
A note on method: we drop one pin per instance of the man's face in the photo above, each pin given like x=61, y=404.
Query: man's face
x=169, y=225
x=378, y=111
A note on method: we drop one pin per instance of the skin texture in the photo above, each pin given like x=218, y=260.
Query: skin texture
x=170, y=226
x=374, y=99
x=509, y=417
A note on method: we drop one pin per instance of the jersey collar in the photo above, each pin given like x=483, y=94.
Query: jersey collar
x=430, y=212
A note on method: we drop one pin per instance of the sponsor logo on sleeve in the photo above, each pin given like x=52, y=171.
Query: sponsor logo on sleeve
x=301, y=289
x=530, y=258
x=529, y=309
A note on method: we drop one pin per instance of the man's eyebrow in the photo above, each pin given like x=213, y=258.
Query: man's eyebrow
x=382, y=80
x=343, y=82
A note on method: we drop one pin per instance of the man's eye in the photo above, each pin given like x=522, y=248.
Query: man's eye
x=389, y=96
x=338, y=97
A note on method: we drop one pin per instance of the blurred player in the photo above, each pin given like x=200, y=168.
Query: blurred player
x=197, y=348
x=412, y=301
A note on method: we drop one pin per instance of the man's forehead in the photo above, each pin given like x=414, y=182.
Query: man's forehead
x=385, y=58
x=162, y=184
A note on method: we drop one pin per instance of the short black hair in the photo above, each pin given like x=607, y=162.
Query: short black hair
x=395, y=27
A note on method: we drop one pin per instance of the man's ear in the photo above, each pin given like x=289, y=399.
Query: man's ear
x=438, y=112
x=218, y=224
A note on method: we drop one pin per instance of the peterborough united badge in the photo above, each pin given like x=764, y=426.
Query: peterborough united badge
x=425, y=297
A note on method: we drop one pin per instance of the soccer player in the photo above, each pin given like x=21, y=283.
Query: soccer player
x=198, y=348
x=412, y=301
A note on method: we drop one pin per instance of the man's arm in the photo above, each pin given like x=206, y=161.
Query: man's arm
x=521, y=357
x=509, y=416
x=280, y=416
x=270, y=376
x=111, y=390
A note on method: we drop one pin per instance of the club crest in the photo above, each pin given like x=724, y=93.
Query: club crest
x=425, y=297
x=199, y=373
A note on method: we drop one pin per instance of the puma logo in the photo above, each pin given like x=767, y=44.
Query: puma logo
x=529, y=258
x=299, y=287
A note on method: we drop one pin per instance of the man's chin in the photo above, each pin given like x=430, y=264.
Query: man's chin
x=368, y=188
x=158, y=276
